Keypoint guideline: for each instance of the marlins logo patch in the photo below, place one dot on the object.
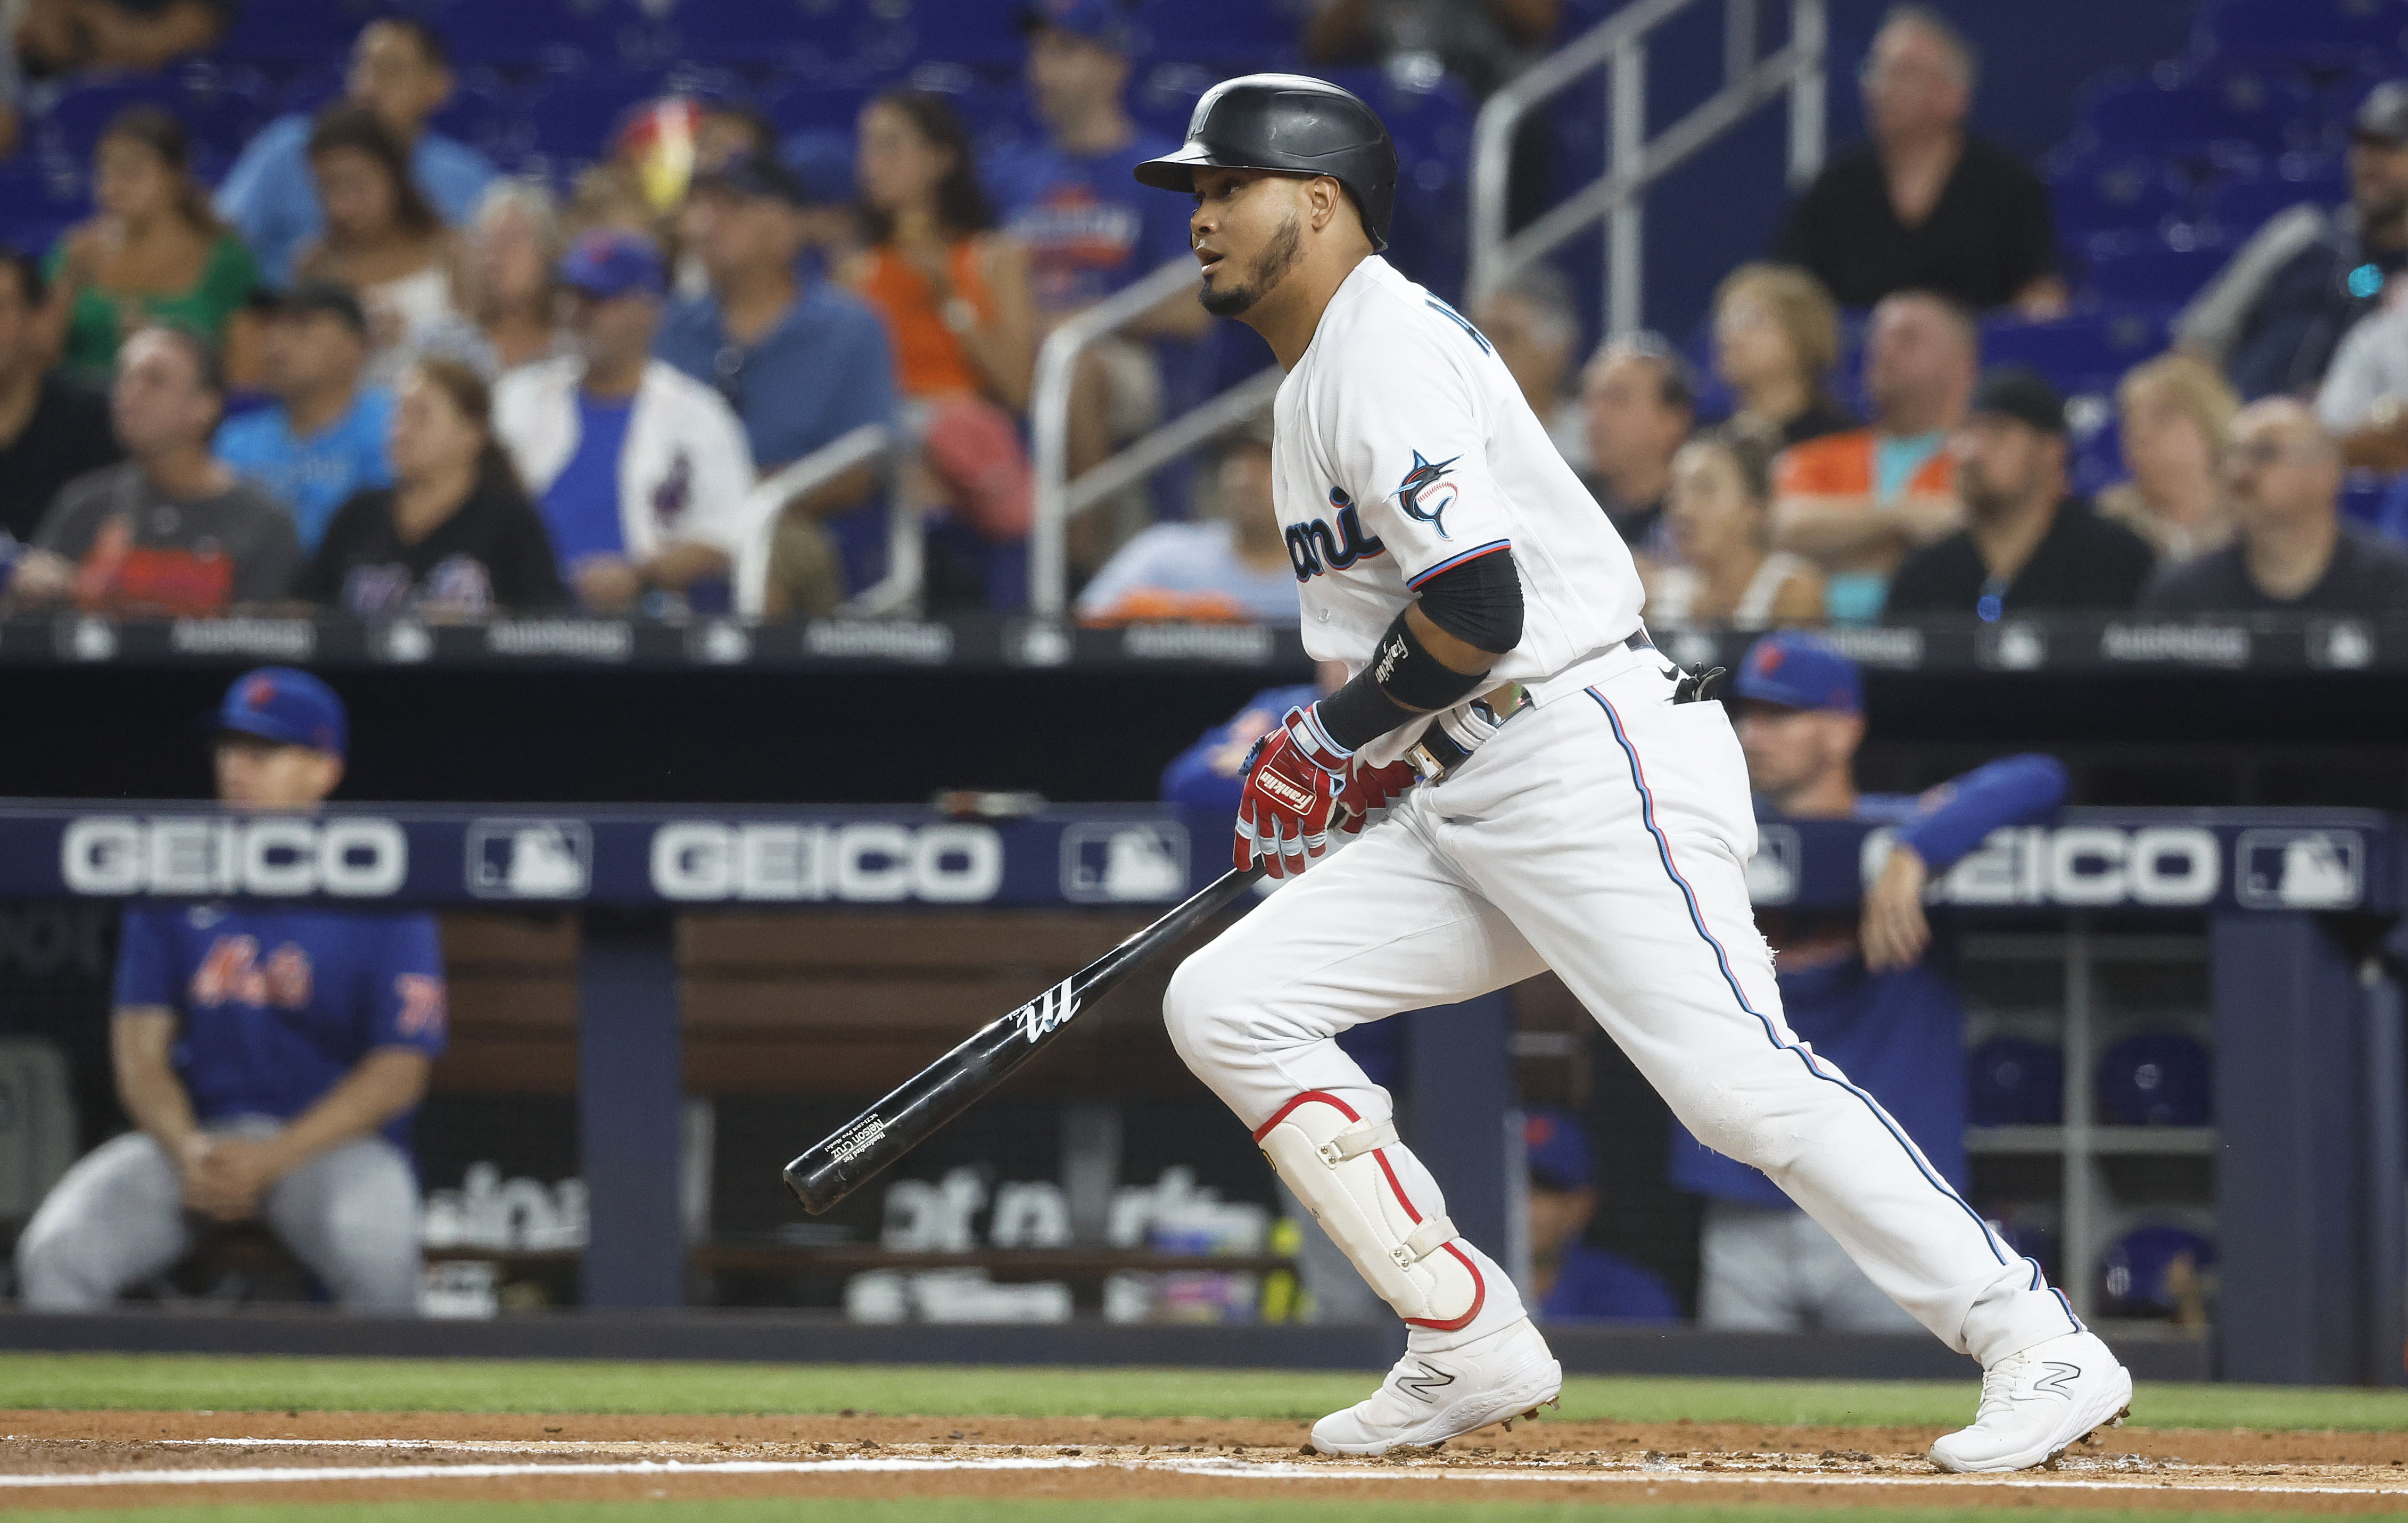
(1424, 494)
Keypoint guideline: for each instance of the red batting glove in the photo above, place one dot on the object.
(1371, 787)
(1292, 788)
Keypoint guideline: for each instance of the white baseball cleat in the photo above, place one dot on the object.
(2038, 1403)
(1430, 1398)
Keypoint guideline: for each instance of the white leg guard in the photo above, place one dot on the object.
(1338, 1163)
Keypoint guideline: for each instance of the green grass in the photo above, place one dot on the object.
(1200, 1510)
(192, 1382)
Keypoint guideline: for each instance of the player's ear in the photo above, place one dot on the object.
(1326, 197)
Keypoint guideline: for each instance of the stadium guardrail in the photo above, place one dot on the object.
(1636, 161)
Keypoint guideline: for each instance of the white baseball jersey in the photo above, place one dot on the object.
(1403, 448)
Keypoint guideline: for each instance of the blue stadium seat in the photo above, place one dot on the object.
(2240, 205)
(296, 31)
(572, 120)
(2086, 351)
(558, 34)
(2138, 116)
(1260, 34)
(2147, 269)
(816, 107)
(2365, 497)
(2391, 515)
(219, 112)
(2322, 33)
(2126, 193)
(966, 31)
(804, 34)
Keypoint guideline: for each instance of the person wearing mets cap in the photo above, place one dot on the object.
(1534, 787)
(1868, 988)
(271, 1056)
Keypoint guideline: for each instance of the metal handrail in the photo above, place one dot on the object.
(1049, 422)
(1635, 162)
(899, 589)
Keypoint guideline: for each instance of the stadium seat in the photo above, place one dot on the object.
(558, 34)
(2140, 116)
(2321, 34)
(2148, 269)
(2127, 193)
(816, 107)
(2239, 206)
(571, 121)
(800, 34)
(2087, 351)
(1261, 34)
(296, 31)
(218, 110)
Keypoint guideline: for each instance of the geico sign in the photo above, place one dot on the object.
(118, 854)
(2079, 865)
(865, 863)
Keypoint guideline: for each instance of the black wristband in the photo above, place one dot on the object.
(1408, 673)
(1360, 713)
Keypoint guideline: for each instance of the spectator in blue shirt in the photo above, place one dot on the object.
(803, 364)
(1869, 992)
(270, 1056)
(400, 70)
(1231, 564)
(1573, 1280)
(1089, 228)
(324, 439)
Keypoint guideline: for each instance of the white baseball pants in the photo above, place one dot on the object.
(1604, 834)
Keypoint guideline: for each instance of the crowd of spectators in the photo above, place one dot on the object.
(454, 391)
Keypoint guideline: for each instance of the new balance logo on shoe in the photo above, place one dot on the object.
(2059, 1379)
(1424, 1383)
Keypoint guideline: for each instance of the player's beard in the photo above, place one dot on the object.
(1270, 268)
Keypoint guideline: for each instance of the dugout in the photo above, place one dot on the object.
(612, 968)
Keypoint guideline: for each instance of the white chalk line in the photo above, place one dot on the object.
(1212, 1469)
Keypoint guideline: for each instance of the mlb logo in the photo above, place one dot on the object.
(1773, 872)
(1124, 863)
(530, 859)
(2299, 869)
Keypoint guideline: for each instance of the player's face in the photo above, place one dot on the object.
(1248, 231)
(1556, 1218)
(254, 774)
(1792, 748)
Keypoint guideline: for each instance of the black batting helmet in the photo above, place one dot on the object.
(1293, 123)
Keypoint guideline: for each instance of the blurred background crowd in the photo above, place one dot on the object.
(439, 310)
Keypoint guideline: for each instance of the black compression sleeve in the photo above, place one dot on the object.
(1479, 602)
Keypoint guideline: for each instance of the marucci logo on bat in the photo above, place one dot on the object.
(1050, 1010)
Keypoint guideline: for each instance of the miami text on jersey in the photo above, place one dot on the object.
(1316, 547)
(1424, 495)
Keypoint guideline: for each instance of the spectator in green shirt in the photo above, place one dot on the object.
(154, 252)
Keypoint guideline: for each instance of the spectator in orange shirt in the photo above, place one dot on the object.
(955, 298)
(1858, 503)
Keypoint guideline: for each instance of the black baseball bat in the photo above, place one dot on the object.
(856, 1151)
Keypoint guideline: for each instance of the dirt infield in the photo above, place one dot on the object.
(133, 1459)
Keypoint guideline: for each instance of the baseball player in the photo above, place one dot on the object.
(271, 1058)
(1582, 807)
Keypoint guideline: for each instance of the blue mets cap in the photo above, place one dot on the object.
(1797, 670)
(287, 706)
(612, 261)
(1556, 1150)
(1104, 23)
